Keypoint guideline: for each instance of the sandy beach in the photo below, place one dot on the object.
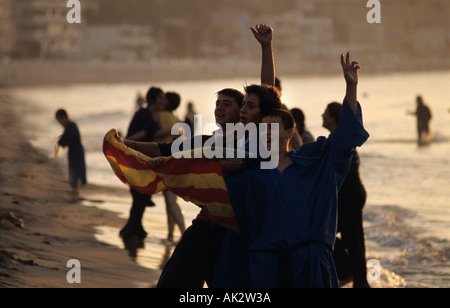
(40, 230)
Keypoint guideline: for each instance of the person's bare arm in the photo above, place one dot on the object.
(138, 136)
(150, 149)
(143, 134)
(351, 78)
(264, 35)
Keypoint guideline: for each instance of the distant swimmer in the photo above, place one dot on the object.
(424, 116)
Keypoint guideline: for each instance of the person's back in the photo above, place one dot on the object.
(299, 118)
(167, 119)
(190, 116)
(142, 122)
(139, 121)
(71, 138)
(423, 115)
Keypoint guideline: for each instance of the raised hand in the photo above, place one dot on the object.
(350, 69)
(263, 34)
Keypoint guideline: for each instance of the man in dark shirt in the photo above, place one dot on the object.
(349, 253)
(143, 127)
(71, 138)
(424, 116)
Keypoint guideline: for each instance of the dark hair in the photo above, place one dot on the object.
(419, 100)
(152, 94)
(236, 94)
(334, 109)
(285, 116)
(269, 97)
(61, 113)
(299, 118)
(173, 101)
(278, 84)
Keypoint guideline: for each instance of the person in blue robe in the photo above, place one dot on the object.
(287, 215)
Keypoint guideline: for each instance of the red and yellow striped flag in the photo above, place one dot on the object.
(199, 180)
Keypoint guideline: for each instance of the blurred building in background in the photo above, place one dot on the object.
(7, 29)
(308, 33)
(42, 31)
(118, 43)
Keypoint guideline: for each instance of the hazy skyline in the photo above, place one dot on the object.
(308, 34)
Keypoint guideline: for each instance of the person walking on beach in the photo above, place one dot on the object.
(167, 121)
(349, 254)
(424, 116)
(71, 138)
(143, 127)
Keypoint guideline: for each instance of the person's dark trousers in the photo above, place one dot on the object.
(350, 225)
(134, 225)
(193, 260)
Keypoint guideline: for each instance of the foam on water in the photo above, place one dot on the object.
(395, 242)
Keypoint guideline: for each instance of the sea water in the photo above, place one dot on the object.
(407, 214)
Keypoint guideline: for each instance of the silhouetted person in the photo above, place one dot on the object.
(167, 121)
(349, 253)
(71, 138)
(423, 115)
(299, 118)
(143, 127)
(189, 119)
(140, 101)
(280, 88)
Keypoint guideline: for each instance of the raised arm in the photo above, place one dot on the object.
(351, 78)
(264, 35)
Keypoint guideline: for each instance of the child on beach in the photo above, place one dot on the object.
(71, 138)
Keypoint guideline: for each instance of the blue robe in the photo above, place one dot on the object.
(288, 219)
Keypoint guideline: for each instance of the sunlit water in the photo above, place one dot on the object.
(407, 215)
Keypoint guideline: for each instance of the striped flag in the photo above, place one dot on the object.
(198, 180)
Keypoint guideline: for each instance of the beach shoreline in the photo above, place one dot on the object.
(29, 73)
(34, 190)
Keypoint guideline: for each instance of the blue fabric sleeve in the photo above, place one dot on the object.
(348, 135)
(350, 132)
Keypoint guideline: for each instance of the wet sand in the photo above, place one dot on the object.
(48, 229)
